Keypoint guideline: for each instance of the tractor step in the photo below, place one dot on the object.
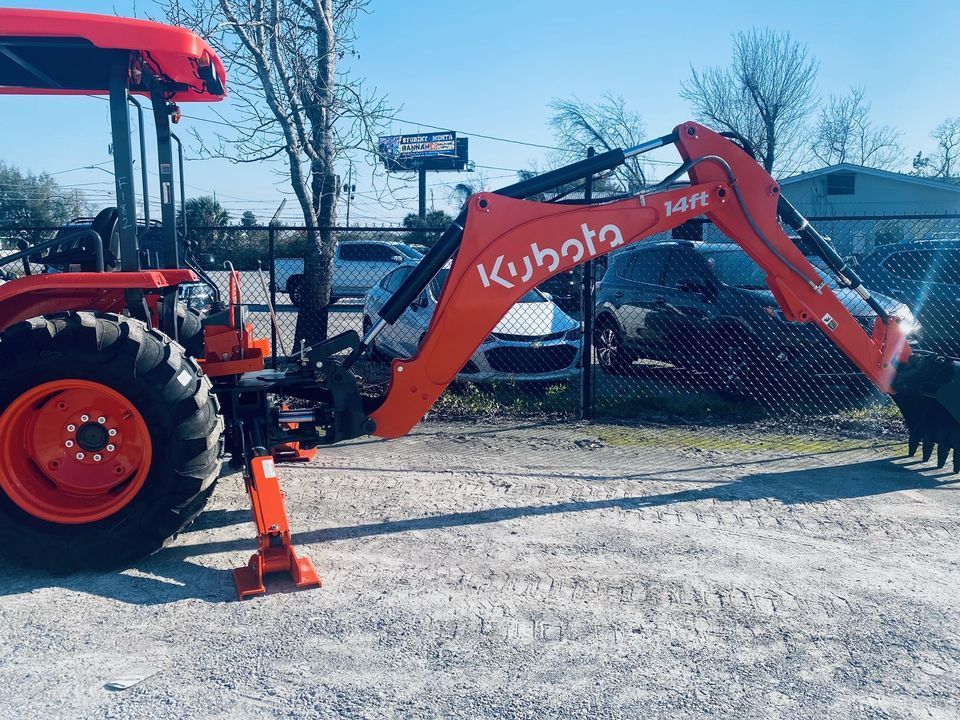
(276, 553)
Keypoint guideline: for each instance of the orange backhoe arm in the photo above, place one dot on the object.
(510, 246)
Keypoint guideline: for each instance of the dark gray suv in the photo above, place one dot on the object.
(706, 306)
(924, 274)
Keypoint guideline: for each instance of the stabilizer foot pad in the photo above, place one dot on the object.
(249, 579)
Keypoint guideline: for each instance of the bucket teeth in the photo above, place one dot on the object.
(927, 390)
(914, 442)
(943, 451)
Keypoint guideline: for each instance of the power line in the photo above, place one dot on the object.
(481, 135)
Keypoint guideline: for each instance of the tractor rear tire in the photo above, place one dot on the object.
(110, 441)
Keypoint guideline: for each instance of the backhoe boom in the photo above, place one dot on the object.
(502, 247)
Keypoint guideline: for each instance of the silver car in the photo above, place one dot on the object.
(535, 341)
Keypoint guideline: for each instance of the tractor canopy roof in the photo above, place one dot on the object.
(46, 52)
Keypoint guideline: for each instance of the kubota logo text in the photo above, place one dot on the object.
(574, 248)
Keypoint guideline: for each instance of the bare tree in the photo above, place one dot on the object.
(765, 94)
(945, 160)
(608, 125)
(291, 102)
(845, 133)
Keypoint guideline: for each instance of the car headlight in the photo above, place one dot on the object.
(575, 334)
(908, 322)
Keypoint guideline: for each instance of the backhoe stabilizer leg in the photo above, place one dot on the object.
(275, 553)
(927, 391)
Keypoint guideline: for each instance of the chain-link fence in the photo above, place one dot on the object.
(530, 363)
(686, 327)
(680, 327)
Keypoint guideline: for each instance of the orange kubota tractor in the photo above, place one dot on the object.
(116, 406)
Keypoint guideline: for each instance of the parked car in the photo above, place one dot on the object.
(707, 306)
(357, 266)
(924, 274)
(535, 340)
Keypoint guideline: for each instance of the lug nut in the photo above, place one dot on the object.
(111, 448)
(111, 432)
(68, 443)
(71, 427)
(84, 418)
(97, 458)
(80, 456)
(101, 420)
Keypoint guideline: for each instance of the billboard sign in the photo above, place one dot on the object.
(425, 151)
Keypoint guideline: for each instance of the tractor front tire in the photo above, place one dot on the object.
(110, 441)
(190, 330)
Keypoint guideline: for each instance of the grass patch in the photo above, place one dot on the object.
(464, 399)
(748, 440)
(677, 406)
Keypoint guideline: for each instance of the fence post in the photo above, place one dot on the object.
(586, 309)
(272, 258)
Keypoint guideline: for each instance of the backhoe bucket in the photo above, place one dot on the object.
(927, 390)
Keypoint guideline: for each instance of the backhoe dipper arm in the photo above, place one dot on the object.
(509, 246)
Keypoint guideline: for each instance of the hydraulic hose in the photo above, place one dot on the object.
(845, 274)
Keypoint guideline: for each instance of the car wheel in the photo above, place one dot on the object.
(612, 356)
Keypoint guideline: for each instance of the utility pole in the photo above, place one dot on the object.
(423, 193)
(349, 188)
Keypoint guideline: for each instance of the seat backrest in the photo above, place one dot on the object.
(105, 225)
(77, 247)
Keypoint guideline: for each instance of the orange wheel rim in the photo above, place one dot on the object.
(73, 451)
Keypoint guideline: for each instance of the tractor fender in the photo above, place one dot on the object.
(35, 295)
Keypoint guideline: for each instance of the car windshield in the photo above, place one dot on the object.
(436, 285)
(736, 268)
(409, 252)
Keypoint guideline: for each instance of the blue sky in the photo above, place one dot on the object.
(493, 68)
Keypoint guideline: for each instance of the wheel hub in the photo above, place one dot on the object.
(73, 451)
(92, 437)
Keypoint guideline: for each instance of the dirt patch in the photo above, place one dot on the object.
(567, 570)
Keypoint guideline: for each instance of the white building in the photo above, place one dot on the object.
(848, 189)
(878, 206)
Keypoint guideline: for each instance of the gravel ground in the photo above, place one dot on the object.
(569, 571)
